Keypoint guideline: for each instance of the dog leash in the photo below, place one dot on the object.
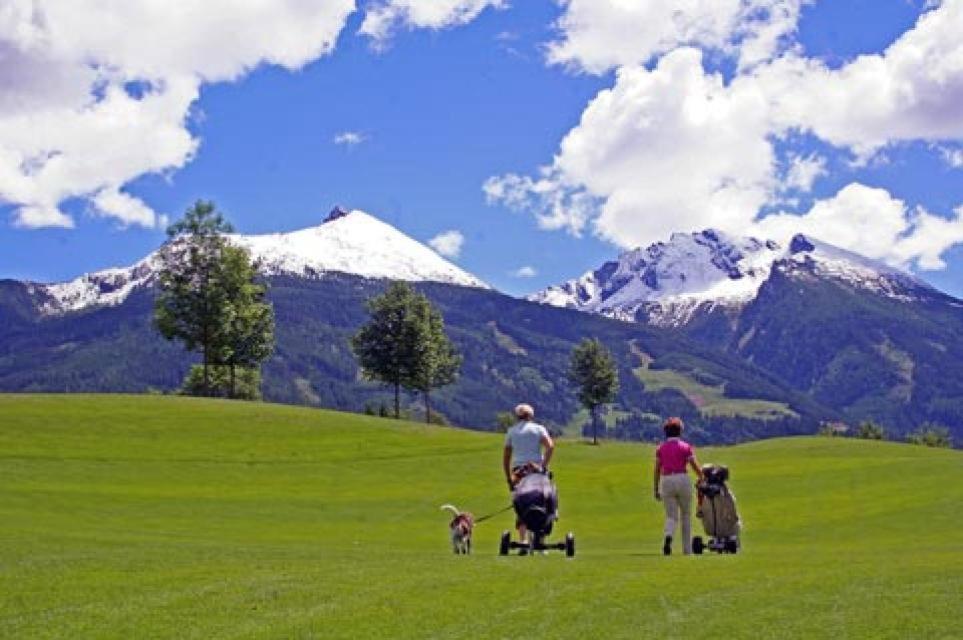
(492, 515)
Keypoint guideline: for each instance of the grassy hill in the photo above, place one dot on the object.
(124, 517)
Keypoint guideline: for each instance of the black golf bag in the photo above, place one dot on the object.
(535, 499)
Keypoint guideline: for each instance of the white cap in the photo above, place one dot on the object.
(524, 412)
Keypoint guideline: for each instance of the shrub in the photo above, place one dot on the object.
(869, 430)
(504, 420)
(832, 429)
(931, 435)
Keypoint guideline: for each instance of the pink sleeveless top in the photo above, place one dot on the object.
(673, 455)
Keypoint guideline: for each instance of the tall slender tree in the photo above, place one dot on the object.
(436, 361)
(250, 318)
(592, 370)
(385, 346)
(191, 300)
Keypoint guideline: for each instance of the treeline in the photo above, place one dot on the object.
(702, 429)
(928, 434)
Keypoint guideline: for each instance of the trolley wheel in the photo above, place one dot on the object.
(505, 543)
(732, 545)
(570, 545)
(698, 546)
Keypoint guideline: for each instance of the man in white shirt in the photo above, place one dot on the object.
(524, 444)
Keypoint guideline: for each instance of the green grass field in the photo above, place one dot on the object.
(147, 517)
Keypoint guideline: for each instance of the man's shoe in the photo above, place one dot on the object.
(667, 547)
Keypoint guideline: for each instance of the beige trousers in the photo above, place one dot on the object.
(676, 493)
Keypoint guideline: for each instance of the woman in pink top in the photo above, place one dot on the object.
(671, 483)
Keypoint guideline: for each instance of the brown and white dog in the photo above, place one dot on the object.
(461, 526)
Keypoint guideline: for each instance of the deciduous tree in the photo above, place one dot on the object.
(592, 370)
(436, 362)
(250, 317)
(385, 346)
(192, 300)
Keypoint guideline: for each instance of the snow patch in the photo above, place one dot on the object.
(668, 284)
(352, 242)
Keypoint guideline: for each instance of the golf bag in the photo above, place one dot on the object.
(717, 507)
(535, 499)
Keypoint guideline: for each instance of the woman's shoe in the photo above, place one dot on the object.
(667, 547)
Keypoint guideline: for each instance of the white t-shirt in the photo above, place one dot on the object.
(525, 439)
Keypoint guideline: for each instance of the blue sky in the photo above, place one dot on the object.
(441, 108)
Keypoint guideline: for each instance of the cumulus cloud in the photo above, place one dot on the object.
(662, 151)
(126, 208)
(96, 94)
(599, 35)
(448, 243)
(555, 205)
(384, 17)
(37, 216)
(803, 171)
(349, 138)
(671, 147)
(953, 157)
(871, 222)
(525, 272)
(911, 91)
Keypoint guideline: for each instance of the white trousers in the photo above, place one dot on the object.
(676, 493)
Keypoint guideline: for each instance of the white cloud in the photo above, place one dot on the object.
(871, 222)
(525, 272)
(555, 206)
(672, 148)
(49, 155)
(36, 216)
(599, 35)
(448, 243)
(953, 157)
(663, 150)
(349, 138)
(96, 94)
(126, 208)
(384, 17)
(911, 91)
(803, 171)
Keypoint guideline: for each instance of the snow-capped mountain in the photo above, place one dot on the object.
(668, 283)
(351, 242)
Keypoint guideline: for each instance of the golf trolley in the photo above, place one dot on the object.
(535, 499)
(718, 513)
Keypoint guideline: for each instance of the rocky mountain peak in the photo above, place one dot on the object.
(336, 213)
(667, 283)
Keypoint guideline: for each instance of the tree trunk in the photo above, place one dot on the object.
(427, 407)
(595, 424)
(207, 375)
(233, 382)
(397, 401)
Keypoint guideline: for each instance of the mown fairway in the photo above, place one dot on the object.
(144, 517)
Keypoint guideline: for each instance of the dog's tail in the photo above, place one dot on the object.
(450, 507)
